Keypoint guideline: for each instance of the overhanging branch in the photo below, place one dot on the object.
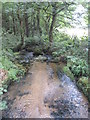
(66, 5)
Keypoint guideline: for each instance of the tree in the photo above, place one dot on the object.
(26, 21)
(30, 19)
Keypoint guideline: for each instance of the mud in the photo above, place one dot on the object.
(42, 94)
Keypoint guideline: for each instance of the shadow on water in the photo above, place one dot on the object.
(45, 93)
(67, 101)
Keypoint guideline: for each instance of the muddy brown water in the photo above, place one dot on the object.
(41, 94)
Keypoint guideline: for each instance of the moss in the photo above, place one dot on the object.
(67, 71)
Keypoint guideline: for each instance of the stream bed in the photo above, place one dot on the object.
(45, 93)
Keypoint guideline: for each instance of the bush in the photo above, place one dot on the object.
(7, 63)
(14, 74)
(79, 67)
(67, 71)
(84, 85)
(3, 105)
(12, 68)
(9, 41)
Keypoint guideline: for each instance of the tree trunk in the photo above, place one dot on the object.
(14, 29)
(26, 24)
(34, 25)
(21, 29)
(33, 28)
(51, 29)
(22, 34)
(19, 46)
(52, 23)
(38, 22)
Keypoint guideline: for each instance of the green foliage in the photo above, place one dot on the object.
(32, 40)
(36, 19)
(3, 105)
(13, 70)
(1, 66)
(84, 85)
(84, 81)
(55, 54)
(79, 67)
(2, 90)
(67, 71)
(65, 45)
(9, 41)
(7, 64)
(14, 74)
(38, 51)
(62, 44)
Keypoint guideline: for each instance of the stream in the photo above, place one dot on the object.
(45, 93)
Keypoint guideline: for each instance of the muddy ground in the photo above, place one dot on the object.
(41, 94)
